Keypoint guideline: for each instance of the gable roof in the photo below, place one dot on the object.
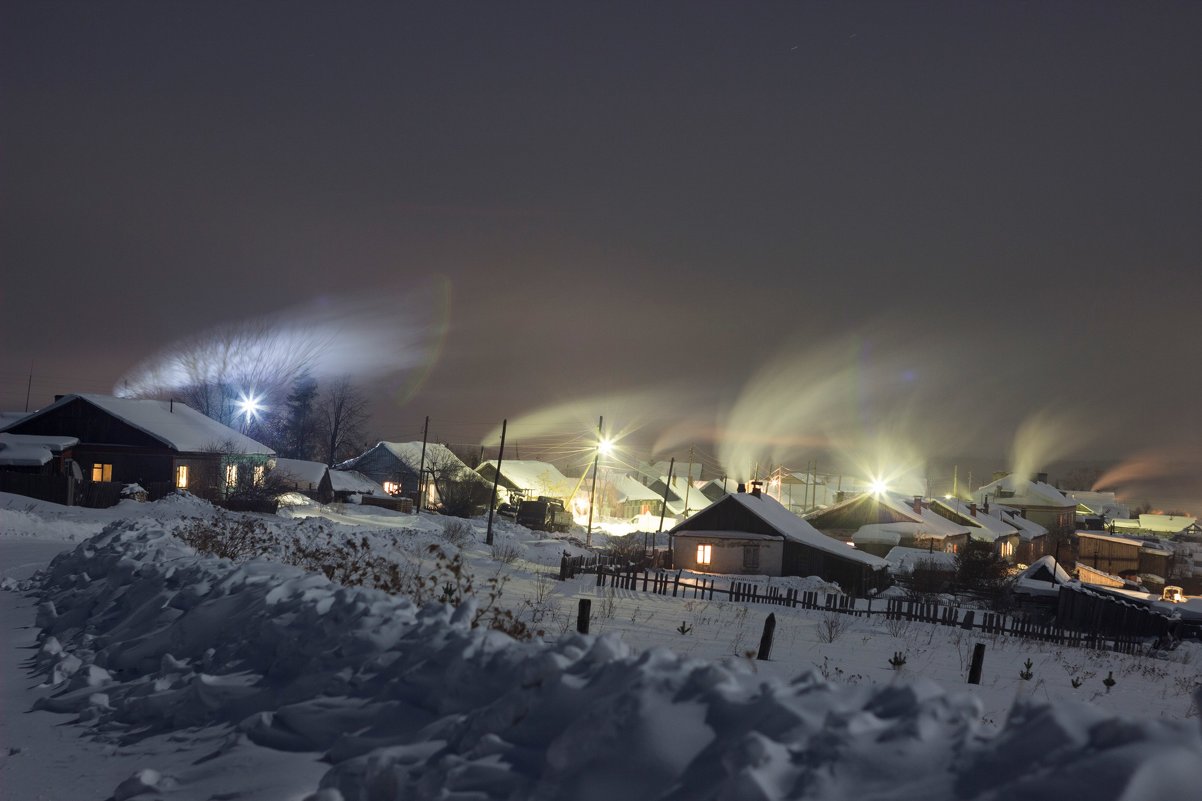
(1014, 491)
(792, 527)
(981, 525)
(536, 478)
(177, 425)
(32, 450)
(1027, 529)
(354, 481)
(300, 471)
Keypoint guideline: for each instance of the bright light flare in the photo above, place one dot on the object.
(250, 406)
(878, 486)
(606, 446)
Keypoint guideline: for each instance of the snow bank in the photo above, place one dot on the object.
(141, 635)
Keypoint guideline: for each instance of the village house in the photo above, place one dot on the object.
(1033, 538)
(1103, 557)
(322, 483)
(530, 479)
(878, 522)
(406, 468)
(683, 498)
(982, 526)
(1035, 498)
(752, 533)
(159, 445)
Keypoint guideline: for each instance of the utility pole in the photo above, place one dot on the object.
(671, 466)
(956, 481)
(492, 503)
(421, 469)
(592, 496)
(29, 385)
(688, 484)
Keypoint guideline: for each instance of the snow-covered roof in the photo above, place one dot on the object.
(1015, 491)
(177, 425)
(354, 481)
(300, 471)
(629, 489)
(1149, 546)
(32, 450)
(11, 418)
(725, 535)
(794, 528)
(684, 491)
(981, 525)
(1163, 524)
(932, 524)
(1101, 503)
(1027, 529)
(536, 478)
(905, 560)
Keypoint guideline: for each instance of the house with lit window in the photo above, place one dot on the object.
(160, 445)
(1035, 498)
(530, 478)
(753, 533)
(982, 525)
(320, 482)
(878, 522)
(408, 468)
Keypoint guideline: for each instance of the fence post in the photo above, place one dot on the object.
(563, 567)
(766, 637)
(600, 576)
(582, 615)
(978, 661)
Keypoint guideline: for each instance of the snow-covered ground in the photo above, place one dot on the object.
(156, 672)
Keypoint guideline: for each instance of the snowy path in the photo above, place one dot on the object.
(53, 761)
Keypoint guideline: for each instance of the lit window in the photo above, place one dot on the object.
(704, 554)
(751, 557)
(259, 471)
(181, 476)
(102, 472)
(231, 475)
(392, 488)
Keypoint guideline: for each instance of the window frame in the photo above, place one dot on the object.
(705, 554)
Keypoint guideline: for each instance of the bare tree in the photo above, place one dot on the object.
(342, 412)
(461, 491)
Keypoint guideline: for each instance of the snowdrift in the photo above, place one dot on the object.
(142, 636)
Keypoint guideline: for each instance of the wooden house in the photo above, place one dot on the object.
(1035, 498)
(398, 467)
(752, 533)
(157, 444)
(321, 482)
(1148, 560)
(878, 522)
(982, 526)
(527, 478)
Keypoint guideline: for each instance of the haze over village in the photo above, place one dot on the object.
(557, 401)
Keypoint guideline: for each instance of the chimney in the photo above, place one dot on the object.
(741, 488)
(972, 509)
(917, 504)
(1023, 512)
(839, 496)
(755, 488)
(986, 504)
(58, 398)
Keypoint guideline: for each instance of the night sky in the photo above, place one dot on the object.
(949, 217)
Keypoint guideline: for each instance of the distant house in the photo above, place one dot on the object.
(683, 498)
(396, 465)
(157, 444)
(1100, 504)
(530, 479)
(322, 483)
(878, 522)
(1148, 560)
(1033, 538)
(621, 496)
(752, 533)
(34, 453)
(1156, 525)
(1037, 499)
(717, 488)
(982, 526)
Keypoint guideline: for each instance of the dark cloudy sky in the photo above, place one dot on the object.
(623, 196)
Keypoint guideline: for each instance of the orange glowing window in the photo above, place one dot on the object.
(705, 554)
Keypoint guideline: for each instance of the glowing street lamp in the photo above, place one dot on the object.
(878, 487)
(250, 406)
(605, 446)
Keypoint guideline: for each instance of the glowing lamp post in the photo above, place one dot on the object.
(249, 407)
(606, 446)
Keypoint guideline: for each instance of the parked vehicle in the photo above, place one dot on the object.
(544, 514)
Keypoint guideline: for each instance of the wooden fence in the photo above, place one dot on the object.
(1121, 638)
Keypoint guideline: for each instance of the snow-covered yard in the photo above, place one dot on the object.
(161, 673)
